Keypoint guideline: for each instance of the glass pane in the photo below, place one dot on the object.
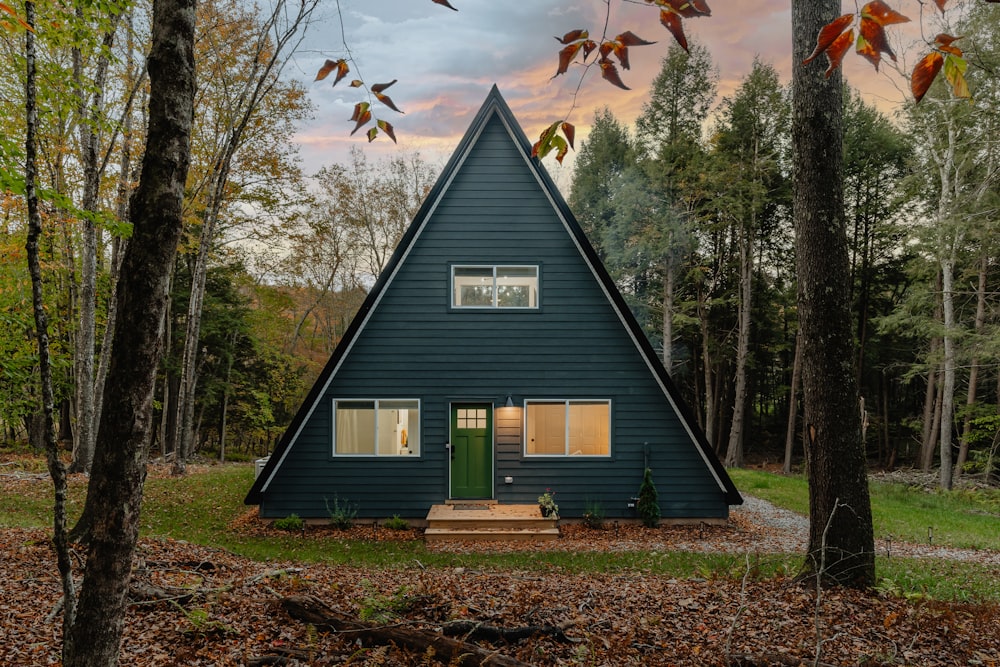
(473, 286)
(395, 426)
(546, 428)
(589, 428)
(355, 427)
(517, 286)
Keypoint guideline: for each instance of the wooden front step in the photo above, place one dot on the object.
(475, 521)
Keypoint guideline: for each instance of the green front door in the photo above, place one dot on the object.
(472, 450)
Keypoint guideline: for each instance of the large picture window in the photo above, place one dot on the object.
(376, 427)
(494, 287)
(568, 428)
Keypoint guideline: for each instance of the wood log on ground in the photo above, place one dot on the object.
(474, 630)
(450, 651)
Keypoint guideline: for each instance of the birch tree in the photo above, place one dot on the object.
(244, 79)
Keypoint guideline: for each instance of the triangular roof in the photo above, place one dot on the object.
(495, 105)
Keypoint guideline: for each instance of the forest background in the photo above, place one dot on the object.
(689, 206)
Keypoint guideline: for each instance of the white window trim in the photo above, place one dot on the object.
(566, 402)
(376, 401)
(494, 267)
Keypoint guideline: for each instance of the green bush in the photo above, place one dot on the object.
(290, 523)
(648, 505)
(342, 514)
(396, 523)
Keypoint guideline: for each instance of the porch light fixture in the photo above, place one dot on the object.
(509, 403)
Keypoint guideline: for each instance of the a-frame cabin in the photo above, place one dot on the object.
(493, 359)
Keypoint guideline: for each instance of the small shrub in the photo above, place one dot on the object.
(648, 505)
(290, 523)
(396, 523)
(593, 516)
(342, 514)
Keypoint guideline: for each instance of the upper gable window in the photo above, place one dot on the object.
(497, 286)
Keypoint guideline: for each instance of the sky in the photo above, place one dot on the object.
(446, 61)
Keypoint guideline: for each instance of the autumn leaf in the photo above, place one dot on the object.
(621, 43)
(924, 73)
(569, 131)
(672, 22)
(941, 3)
(386, 127)
(386, 100)
(882, 13)
(443, 2)
(572, 36)
(362, 114)
(954, 72)
(544, 145)
(688, 8)
(372, 133)
(610, 74)
(357, 83)
(872, 41)
(621, 52)
(835, 53)
(629, 38)
(566, 55)
(329, 66)
(10, 10)
(829, 34)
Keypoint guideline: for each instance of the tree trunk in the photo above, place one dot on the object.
(668, 316)
(706, 359)
(793, 412)
(841, 536)
(927, 438)
(970, 399)
(55, 465)
(734, 452)
(89, 117)
(114, 494)
(948, 386)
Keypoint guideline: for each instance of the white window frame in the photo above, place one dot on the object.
(413, 434)
(566, 437)
(534, 299)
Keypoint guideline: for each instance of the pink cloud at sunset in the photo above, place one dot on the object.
(446, 62)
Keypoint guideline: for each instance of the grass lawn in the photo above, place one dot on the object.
(201, 507)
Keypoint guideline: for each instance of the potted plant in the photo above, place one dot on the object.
(547, 504)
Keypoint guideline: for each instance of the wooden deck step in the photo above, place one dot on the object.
(475, 522)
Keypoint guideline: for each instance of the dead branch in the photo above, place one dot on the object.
(309, 609)
(473, 630)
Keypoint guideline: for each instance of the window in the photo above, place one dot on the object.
(376, 427)
(568, 428)
(494, 287)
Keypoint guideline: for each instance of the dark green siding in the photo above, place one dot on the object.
(574, 346)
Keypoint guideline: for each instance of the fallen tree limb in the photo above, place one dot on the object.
(450, 651)
(474, 630)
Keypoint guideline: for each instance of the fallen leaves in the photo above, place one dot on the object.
(614, 618)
